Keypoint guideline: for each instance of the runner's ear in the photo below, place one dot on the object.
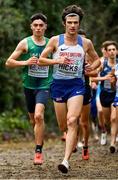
(63, 23)
(45, 26)
(31, 26)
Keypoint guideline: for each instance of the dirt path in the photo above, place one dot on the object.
(16, 162)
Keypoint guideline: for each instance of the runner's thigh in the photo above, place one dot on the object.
(74, 105)
(61, 115)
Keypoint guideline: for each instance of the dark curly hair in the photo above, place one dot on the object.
(72, 9)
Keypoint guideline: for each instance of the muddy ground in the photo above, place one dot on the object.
(16, 162)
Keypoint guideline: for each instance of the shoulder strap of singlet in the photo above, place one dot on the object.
(29, 42)
(29, 39)
(46, 39)
(80, 41)
(105, 63)
(61, 39)
(116, 60)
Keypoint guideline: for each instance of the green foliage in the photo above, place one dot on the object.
(13, 120)
(101, 21)
(11, 23)
(14, 124)
(10, 89)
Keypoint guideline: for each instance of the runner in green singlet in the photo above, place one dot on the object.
(36, 79)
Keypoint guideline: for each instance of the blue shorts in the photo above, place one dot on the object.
(87, 95)
(34, 97)
(115, 103)
(62, 90)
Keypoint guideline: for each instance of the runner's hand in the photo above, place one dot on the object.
(65, 60)
(32, 60)
(88, 68)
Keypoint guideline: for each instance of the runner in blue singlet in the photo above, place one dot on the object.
(67, 88)
(108, 91)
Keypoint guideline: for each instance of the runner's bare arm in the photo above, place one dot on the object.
(95, 60)
(92, 73)
(13, 61)
(50, 48)
(99, 78)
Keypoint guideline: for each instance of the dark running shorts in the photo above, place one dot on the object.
(34, 97)
(87, 95)
(107, 98)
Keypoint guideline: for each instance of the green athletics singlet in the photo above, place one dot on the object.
(34, 76)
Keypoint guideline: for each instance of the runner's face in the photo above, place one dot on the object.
(72, 24)
(111, 51)
(38, 27)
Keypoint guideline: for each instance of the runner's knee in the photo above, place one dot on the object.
(72, 121)
(113, 120)
(38, 118)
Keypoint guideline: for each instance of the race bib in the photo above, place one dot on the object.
(72, 70)
(38, 71)
(107, 84)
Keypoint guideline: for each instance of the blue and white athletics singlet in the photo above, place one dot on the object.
(106, 85)
(68, 78)
(74, 53)
(107, 93)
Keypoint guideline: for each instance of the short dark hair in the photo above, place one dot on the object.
(108, 43)
(72, 9)
(82, 32)
(39, 16)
